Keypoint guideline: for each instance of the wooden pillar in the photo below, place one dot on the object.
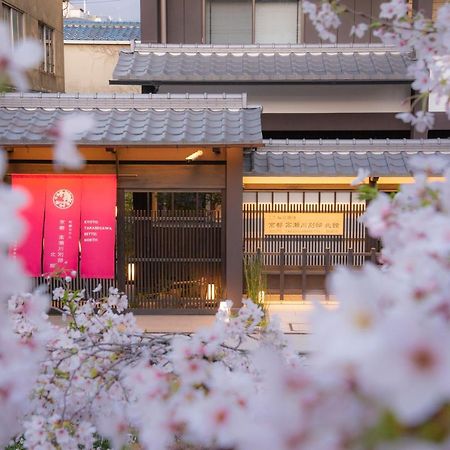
(423, 6)
(120, 260)
(426, 8)
(150, 21)
(233, 226)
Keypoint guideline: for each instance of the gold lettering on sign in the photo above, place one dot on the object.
(300, 224)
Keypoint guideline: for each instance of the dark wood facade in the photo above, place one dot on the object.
(202, 247)
(183, 21)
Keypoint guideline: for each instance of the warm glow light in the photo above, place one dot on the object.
(261, 296)
(211, 292)
(130, 272)
(251, 180)
(194, 156)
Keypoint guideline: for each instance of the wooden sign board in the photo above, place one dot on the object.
(301, 224)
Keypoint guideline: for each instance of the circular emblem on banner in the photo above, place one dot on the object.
(63, 199)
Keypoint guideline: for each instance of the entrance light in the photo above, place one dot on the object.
(194, 156)
(130, 272)
(261, 297)
(211, 292)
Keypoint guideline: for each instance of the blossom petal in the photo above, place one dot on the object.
(28, 54)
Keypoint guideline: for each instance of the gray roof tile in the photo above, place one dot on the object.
(159, 64)
(88, 30)
(340, 158)
(136, 120)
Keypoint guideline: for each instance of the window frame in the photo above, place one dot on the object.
(8, 13)
(299, 24)
(48, 63)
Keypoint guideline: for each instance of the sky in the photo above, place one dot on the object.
(116, 9)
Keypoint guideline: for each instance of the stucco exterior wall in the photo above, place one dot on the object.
(89, 67)
(386, 98)
(48, 12)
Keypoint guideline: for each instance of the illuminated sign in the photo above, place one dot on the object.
(303, 224)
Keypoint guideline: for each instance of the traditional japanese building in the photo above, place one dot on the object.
(243, 142)
(327, 110)
(177, 162)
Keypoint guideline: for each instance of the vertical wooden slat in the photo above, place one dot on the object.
(327, 271)
(304, 265)
(350, 257)
(120, 265)
(282, 269)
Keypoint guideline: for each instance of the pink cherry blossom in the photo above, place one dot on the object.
(393, 9)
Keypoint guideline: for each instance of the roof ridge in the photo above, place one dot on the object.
(354, 142)
(354, 146)
(101, 24)
(124, 101)
(261, 48)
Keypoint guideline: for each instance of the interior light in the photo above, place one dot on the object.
(130, 272)
(211, 292)
(261, 297)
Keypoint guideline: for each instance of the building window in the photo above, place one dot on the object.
(14, 19)
(229, 21)
(277, 22)
(46, 34)
(253, 21)
(295, 198)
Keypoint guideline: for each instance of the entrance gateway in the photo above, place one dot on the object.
(174, 250)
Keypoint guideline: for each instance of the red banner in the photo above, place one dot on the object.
(30, 249)
(62, 224)
(98, 225)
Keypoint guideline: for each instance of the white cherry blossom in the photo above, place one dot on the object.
(361, 176)
(17, 58)
(66, 131)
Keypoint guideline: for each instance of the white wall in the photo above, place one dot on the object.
(89, 67)
(436, 104)
(313, 98)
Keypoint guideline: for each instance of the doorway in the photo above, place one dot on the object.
(174, 250)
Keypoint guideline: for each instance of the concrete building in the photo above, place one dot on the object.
(41, 20)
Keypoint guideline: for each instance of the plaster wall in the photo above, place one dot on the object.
(286, 99)
(89, 67)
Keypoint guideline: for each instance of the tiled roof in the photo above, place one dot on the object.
(133, 119)
(163, 64)
(340, 158)
(88, 30)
